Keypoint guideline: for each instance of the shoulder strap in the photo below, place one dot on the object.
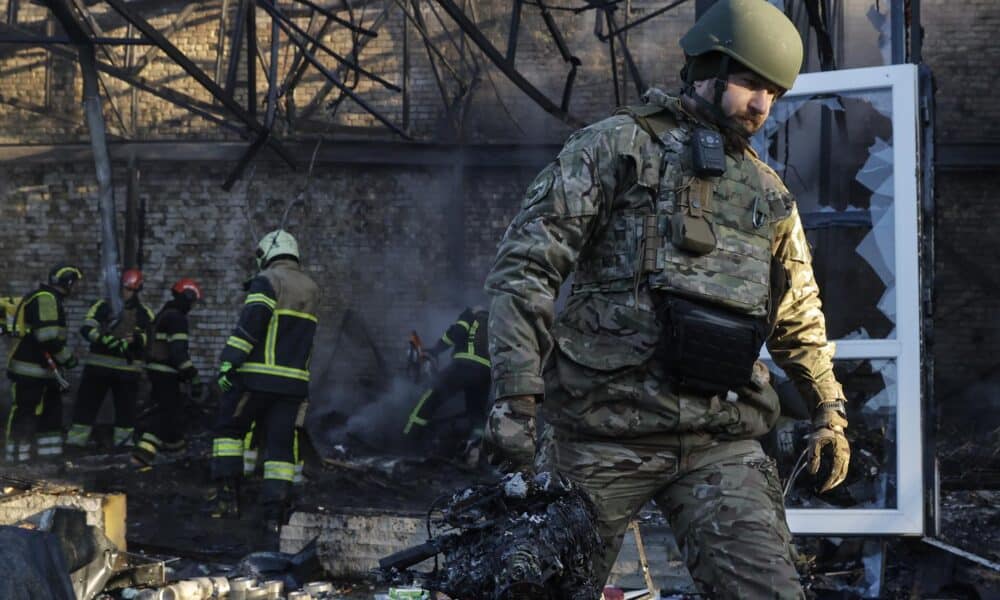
(654, 120)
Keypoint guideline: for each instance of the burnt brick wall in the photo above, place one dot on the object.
(960, 46)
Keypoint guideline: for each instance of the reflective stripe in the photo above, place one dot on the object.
(249, 461)
(30, 369)
(151, 438)
(262, 299)
(227, 447)
(122, 435)
(279, 470)
(294, 313)
(240, 344)
(78, 434)
(92, 323)
(178, 337)
(49, 444)
(262, 369)
(112, 362)
(185, 365)
(50, 332)
(160, 367)
(463, 324)
(147, 447)
(446, 339)
(271, 341)
(415, 418)
(162, 337)
(299, 477)
(49, 439)
(472, 357)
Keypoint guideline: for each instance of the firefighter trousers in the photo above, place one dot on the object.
(238, 408)
(35, 416)
(466, 376)
(163, 427)
(95, 384)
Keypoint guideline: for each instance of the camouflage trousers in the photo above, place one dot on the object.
(722, 500)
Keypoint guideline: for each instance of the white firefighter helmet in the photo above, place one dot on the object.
(274, 244)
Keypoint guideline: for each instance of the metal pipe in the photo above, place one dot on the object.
(105, 192)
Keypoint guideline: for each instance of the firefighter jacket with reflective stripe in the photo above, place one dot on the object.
(132, 327)
(168, 348)
(467, 337)
(272, 343)
(41, 325)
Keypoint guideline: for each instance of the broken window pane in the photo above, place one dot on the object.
(859, 32)
(835, 154)
(870, 386)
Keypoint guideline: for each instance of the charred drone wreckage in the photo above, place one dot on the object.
(527, 536)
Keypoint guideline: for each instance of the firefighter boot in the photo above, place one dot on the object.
(224, 503)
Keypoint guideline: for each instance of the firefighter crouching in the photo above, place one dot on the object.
(264, 376)
(168, 365)
(468, 372)
(115, 363)
(35, 416)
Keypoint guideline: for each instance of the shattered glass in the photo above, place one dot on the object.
(871, 389)
(835, 153)
(860, 32)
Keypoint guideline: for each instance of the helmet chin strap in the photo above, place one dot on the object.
(713, 108)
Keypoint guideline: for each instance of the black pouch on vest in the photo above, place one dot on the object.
(708, 348)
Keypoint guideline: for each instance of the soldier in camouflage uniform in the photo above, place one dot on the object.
(683, 267)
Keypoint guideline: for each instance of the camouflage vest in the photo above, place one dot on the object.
(738, 208)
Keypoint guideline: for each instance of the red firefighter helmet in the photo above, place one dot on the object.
(187, 287)
(132, 279)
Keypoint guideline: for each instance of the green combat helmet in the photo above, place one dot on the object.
(274, 244)
(751, 32)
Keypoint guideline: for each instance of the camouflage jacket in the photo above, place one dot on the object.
(604, 174)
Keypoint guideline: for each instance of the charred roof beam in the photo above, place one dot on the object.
(200, 76)
(271, 9)
(508, 69)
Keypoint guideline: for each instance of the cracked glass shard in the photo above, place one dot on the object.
(835, 154)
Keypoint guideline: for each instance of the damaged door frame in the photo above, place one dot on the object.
(905, 348)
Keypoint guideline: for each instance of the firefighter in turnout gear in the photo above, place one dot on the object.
(115, 362)
(33, 367)
(264, 376)
(468, 372)
(169, 366)
(687, 254)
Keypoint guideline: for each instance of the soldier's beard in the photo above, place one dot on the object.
(747, 123)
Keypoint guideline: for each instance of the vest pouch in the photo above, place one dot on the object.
(708, 348)
(692, 234)
(598, 339)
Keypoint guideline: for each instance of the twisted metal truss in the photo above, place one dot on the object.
(457, 58)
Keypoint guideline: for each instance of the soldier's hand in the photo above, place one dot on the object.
(829, 423)
(510, 432)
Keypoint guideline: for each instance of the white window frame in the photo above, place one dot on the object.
(908, 517)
